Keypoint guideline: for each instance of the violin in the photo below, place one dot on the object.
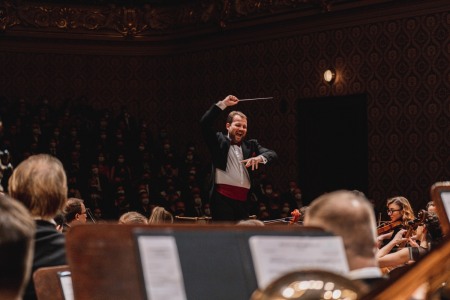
(412, 226)
(295, 216)
(388, 227)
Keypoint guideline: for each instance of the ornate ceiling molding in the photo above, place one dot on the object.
(151, 18)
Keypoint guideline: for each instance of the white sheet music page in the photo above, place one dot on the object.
(66, 285)
(445, 196)
(161, 267)
(274, 256)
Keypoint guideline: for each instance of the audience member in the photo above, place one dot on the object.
(17, 229)
(40, 183)
(349, 215)
(6, 168)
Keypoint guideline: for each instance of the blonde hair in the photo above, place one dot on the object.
(40, 183)
(160, 215)
(132, 217)
(250, 222)
(346, 214)
(405, 206)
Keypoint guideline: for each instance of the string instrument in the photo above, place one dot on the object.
(412, 226)
(295, 216)
(389, 227)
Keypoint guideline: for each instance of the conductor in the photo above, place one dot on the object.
(233, 160)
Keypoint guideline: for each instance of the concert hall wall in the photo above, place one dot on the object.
(400, 61)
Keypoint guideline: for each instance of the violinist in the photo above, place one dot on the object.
(400, 211)
(431, 238)
(431, 208)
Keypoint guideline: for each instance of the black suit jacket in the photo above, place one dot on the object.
(219, 145)
(49, 251)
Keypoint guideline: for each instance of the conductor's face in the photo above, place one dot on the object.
(237, 129)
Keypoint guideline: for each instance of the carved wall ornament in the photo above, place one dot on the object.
(149, 18)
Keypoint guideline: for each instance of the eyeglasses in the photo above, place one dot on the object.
(391, 211)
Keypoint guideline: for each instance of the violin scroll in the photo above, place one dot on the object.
(295, 216)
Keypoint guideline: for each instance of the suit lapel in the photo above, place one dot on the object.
(245, 150)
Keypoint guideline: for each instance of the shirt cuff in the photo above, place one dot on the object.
(221, 105)
(264, 159)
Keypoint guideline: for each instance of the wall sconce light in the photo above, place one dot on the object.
(329, 76)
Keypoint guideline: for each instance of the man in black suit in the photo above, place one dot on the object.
(40, 183)
(234, 159)
(350, 215)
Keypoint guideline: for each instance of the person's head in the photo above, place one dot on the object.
(431, 208)
(144, 198)
(40, 183)
(350, 216)
(75, 211)
(250, 222)
(297, 194)
(399, 209)
(160, 215)
(132, 217)
(98, 213)
(434, 229)
(17, 229)
(236, 126)
(180, 208)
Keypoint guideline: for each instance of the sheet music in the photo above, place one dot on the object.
(274, 256)
(163, 276)
(66, 285)
(445, 196)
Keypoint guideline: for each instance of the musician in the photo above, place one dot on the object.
(350, 215)
(431, 208)
(40, 183)
(234, 159)
(400, 211)
(75, 213)
(432, 237)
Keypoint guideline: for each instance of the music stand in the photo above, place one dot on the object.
(215, 261)
(440, 194)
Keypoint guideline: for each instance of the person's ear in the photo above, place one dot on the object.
(228, 125)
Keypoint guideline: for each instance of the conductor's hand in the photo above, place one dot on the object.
(230, 100)
(253, 162)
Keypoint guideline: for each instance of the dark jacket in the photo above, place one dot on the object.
(219, 144)
(49, 250)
